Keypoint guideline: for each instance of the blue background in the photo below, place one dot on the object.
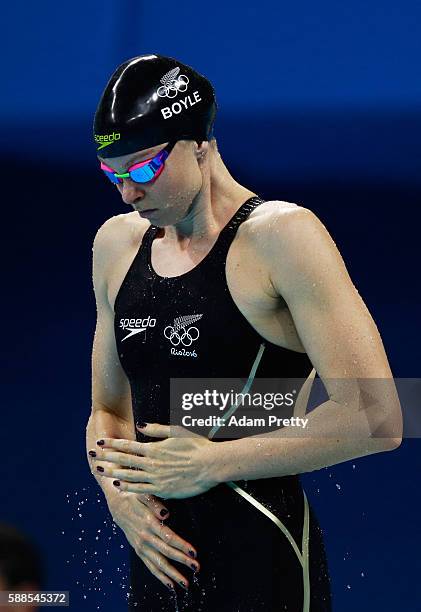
(319, 104)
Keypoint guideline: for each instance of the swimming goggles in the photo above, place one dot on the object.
(144, 171)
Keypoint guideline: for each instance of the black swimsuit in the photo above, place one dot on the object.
(258, 542)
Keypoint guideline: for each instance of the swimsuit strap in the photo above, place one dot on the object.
(228, 232)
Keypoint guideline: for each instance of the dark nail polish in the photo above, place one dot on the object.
(142, 424)
(194, 567)
(191, 553)
(100, 442)
(99, 468)
(183, 584)
(170, 586)
(92, 453)
(163, 512)
(116, 483)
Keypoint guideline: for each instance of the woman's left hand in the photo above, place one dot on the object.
(176, 467)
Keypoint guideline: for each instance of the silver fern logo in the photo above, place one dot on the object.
(172, 83)
(182, 331)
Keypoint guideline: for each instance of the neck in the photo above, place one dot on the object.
(211, 209)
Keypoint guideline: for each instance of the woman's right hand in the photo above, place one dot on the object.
(139, 516)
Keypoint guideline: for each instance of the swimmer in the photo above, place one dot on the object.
(205, 279)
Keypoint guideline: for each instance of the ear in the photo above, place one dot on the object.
(201, 149)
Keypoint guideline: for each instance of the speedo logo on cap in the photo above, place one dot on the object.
(106, 139)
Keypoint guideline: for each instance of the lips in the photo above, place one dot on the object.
(147, 212)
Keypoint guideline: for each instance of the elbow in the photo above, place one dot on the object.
(393, 443)
(393, 431)
(380, 445)
(386, 431)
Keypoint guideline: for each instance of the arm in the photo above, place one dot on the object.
(111, 412)
(139, 516)
(362, 415)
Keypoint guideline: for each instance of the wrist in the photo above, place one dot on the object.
(218, 465)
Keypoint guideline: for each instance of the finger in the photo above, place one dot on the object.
(129, 476)
(172, 539)
(126, 446)
(160, 565)
(156, 571)
(124, 459)
(150, 508)
(153, 503)
(154, 430)
(138, 487)
(171, 553)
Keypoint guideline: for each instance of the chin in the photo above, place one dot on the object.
(166, 218)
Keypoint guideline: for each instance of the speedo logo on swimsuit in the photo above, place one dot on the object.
(182, 334)
(135, 326)
(106, 139)
(172, 83)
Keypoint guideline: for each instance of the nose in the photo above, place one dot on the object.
(131, 192)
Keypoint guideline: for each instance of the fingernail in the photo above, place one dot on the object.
(170, 586)
(194, 567)
(116, 483)
(163, 512)
(142, 424)
(92, 453)
(100, 442)
(99, 468)
(191, 553)
(183, 584)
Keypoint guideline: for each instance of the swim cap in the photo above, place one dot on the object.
(149, 100)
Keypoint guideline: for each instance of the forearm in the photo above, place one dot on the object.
(104, 424)
(334, 434)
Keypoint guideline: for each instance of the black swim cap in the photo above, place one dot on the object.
(150, 100)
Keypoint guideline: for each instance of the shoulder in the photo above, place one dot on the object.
(275, 220)
(291, 239)
(271, 210)
(300, 255)
(116, 237)
(293, 231)
(125, 227)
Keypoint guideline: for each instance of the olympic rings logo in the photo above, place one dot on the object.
(172, 83)
(183, 335)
